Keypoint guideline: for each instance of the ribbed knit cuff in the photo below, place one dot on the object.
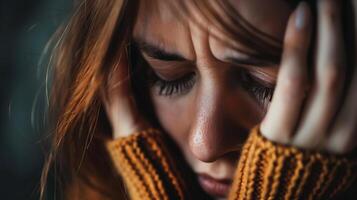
(143, 162)
(268, 170)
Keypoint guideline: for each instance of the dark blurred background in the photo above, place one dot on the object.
(25, 28)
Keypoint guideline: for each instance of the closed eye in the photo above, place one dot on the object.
(178, 86)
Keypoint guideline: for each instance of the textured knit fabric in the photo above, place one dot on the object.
(143, 162)
(266, 170)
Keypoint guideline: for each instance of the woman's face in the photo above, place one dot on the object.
(207, 96)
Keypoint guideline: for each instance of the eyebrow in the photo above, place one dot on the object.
(157, 52)
(161, 54)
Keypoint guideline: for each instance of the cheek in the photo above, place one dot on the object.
(175, 117)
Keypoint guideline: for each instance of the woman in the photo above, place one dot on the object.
(161, 100)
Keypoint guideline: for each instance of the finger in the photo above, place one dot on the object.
(329, 77)
(344, 137)
(287, 101)
(344, 132)
(119, 102)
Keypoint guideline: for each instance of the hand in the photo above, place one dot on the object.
(314, 115)
(119, 102)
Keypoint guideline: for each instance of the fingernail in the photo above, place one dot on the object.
(301, 16)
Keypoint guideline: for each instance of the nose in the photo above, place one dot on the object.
(223, 118)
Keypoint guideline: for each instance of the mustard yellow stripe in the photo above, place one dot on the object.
(322, 177)
(124, 164)
(331, 175)
(267, 173)
(295, 176)
(237, 184)
(151, 177)
(142, 179)
(305, 175)
(276, 174)
(345, 178)
(166, 166)
(246, 171)
(253, 172)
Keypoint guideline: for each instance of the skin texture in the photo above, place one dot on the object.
(211, 120)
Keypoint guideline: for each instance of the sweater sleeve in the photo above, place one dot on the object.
(147, 171)
(268, 170)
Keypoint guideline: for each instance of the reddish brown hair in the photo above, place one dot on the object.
(84, 55)
(94, 39)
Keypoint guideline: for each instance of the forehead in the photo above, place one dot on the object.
(161, 24)
(269, 17)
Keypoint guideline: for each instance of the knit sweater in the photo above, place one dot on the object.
(266, 170)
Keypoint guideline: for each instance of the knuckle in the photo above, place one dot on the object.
(332, 17)
(292, 47)
(331, 10)
(332, 78)
(295, 82)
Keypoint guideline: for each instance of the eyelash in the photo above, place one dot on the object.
(174, 87)
(263, 94)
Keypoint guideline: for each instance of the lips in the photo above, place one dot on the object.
(214, 187)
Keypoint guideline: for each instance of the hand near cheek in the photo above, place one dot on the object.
(138, 151)
(314, 115)
(120, 105)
